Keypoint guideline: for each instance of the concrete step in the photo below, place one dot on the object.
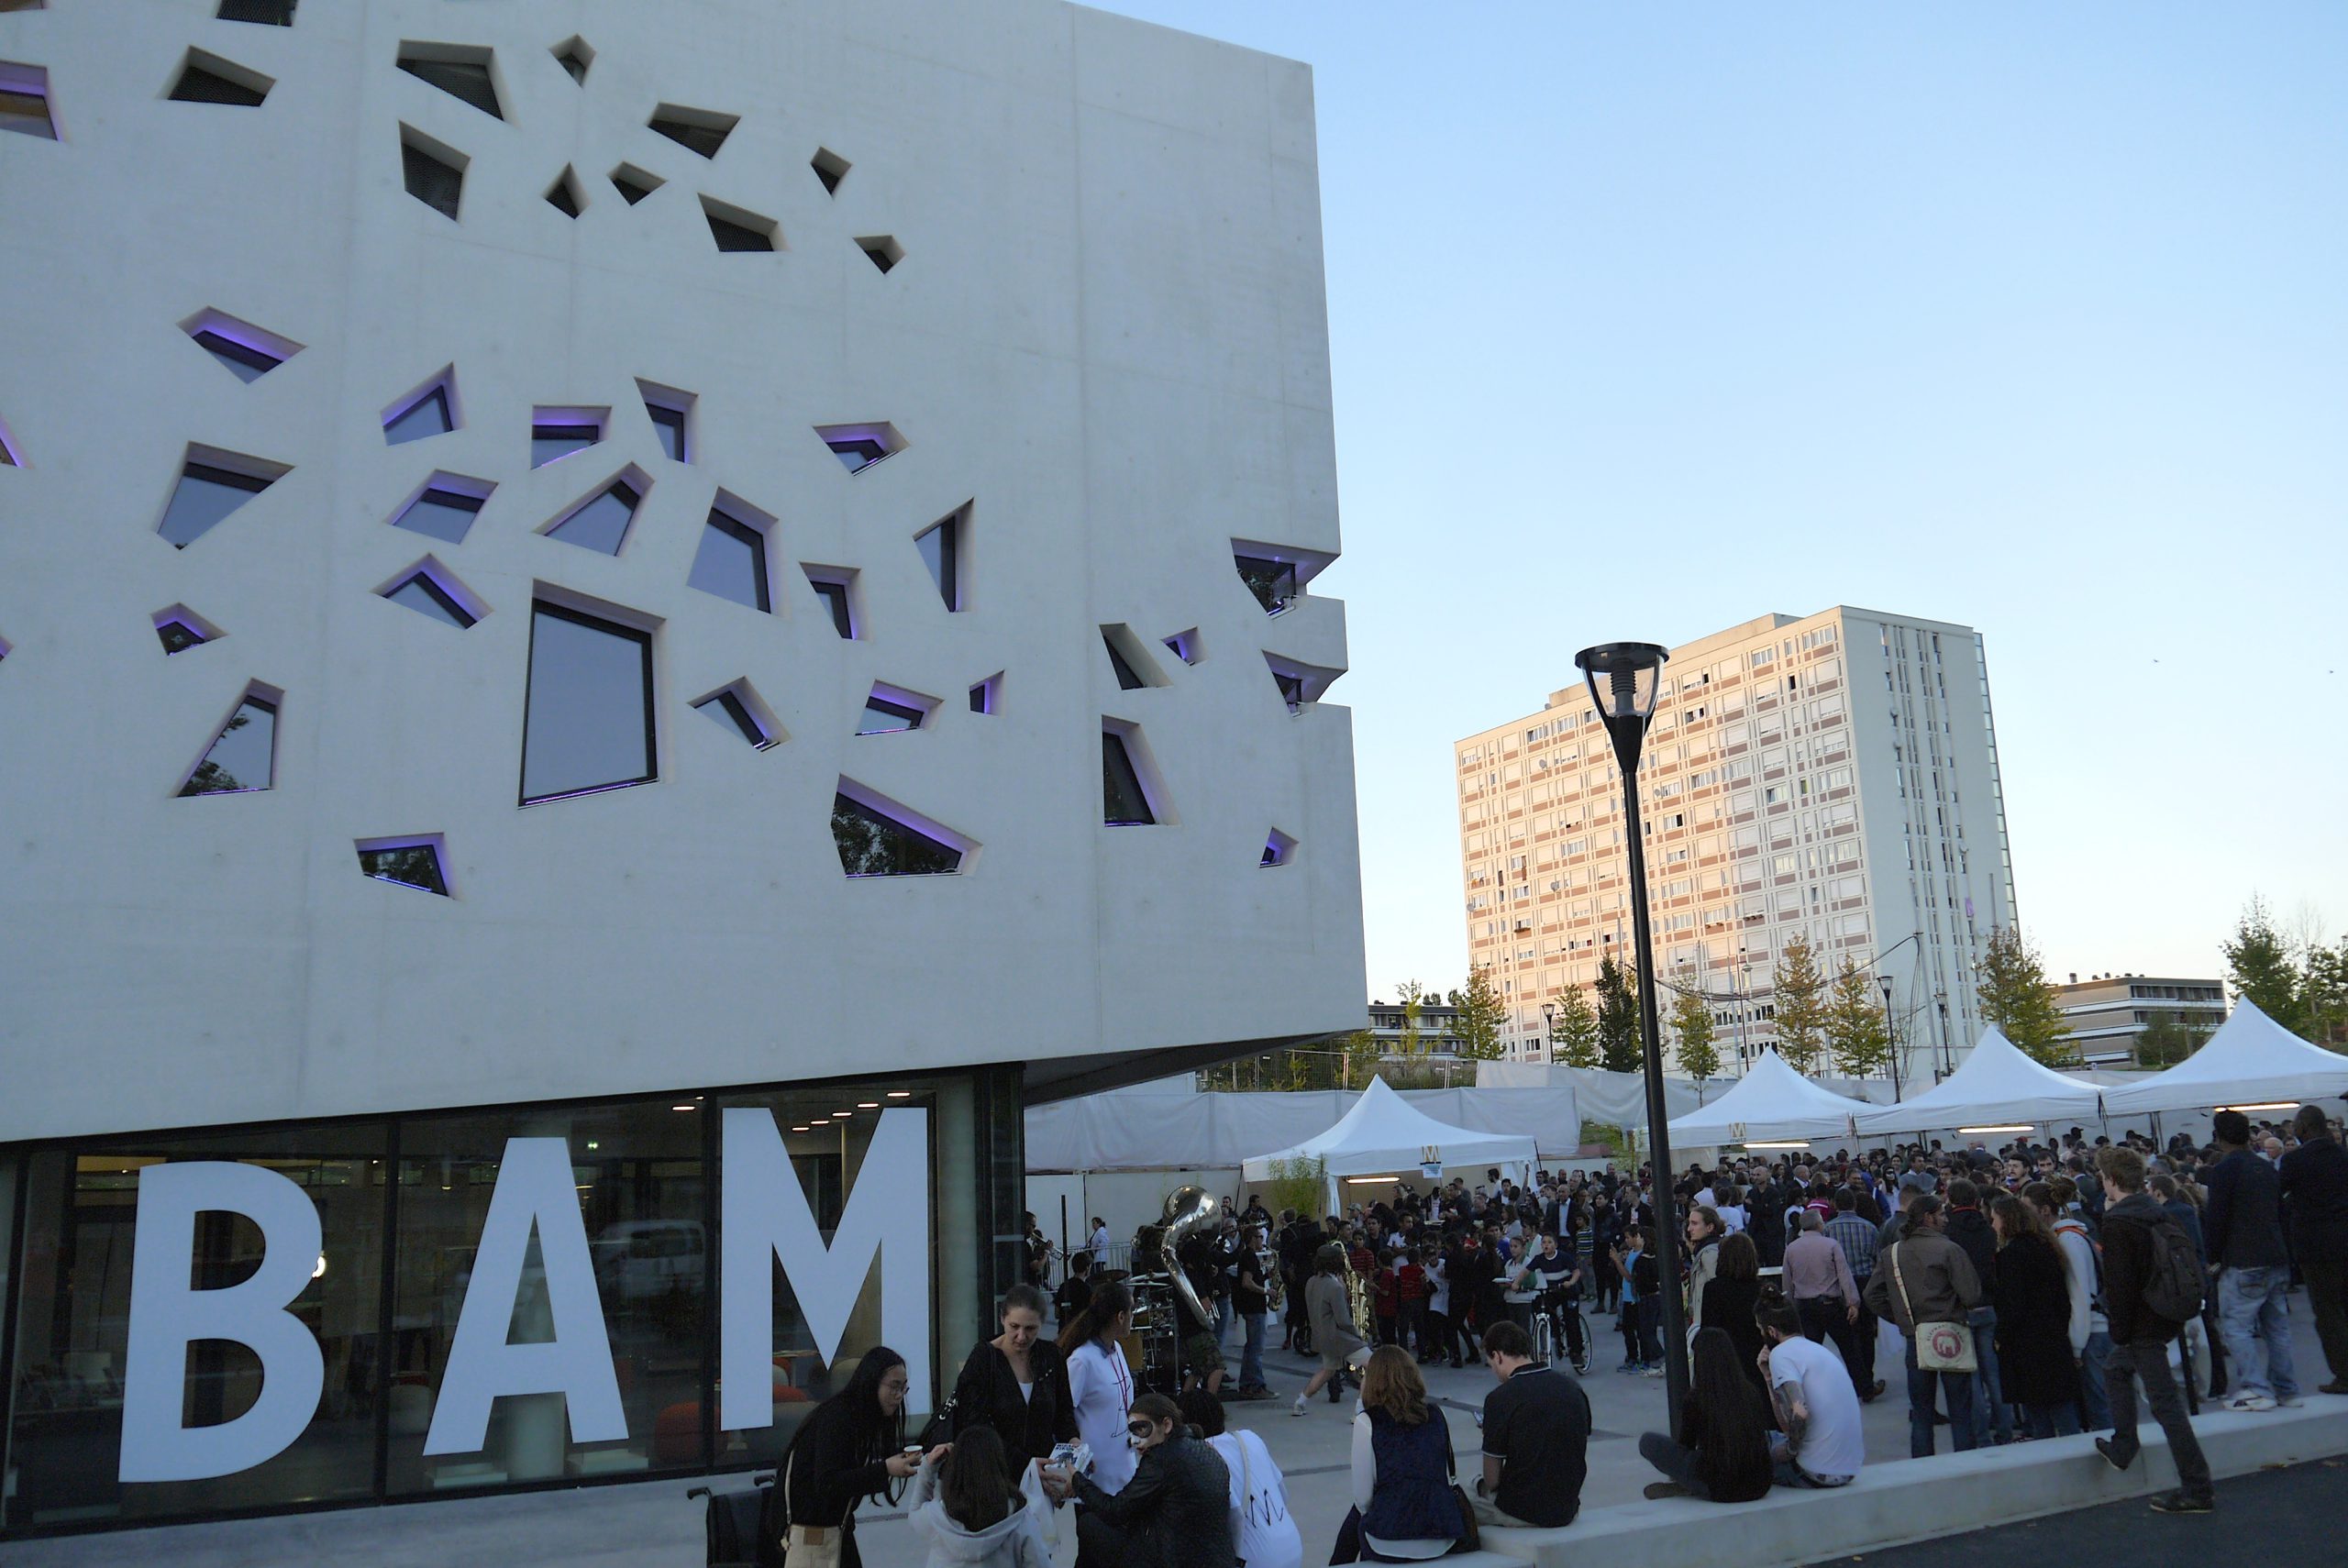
(1917, 1499)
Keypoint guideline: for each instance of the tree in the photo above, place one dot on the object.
(1360, 1062)
(2323, 986)
(1691, 1025)
(1855, 1031)
(2164, 1041)
(1481, 1017)
(1299, 1184)
(1414, 997)
(1798, 1003)
(1573, 1038)
(2017, 1000)
(2258, 962)
(1618, 1047)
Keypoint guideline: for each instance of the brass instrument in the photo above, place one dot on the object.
(1267, 1269)
(1189, 1210)
(1357, 1302)
(1157, 1281)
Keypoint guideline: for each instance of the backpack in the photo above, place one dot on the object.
(2172, 1287)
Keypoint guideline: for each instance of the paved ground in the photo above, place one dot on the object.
(2287, 1515)
(651, 1524)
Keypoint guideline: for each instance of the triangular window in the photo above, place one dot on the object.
(564, 196)
(701, 130)
(873, 842)
(428, 416)
(410, 864)
(601, 522)
(737, 708)
(205, 495)
(207, 79)
(1278, 849)
(243, 757)
(941, 551)
(181, 628)
(735, 229)
(465, 78)
(422, 590)
(732, 562)
(859, 446)
(445, 509)
(634, 184)
(830, 168)
(573, 55)
(246, 362)
(1129, 659)
(1124, 802)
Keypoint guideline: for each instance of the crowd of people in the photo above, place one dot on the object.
(2034, 1290)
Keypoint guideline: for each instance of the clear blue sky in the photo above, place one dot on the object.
(1647, 320)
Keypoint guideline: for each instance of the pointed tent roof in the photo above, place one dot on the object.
(1384, 1134)
(1771, 1102)
(1998, 1085)
(2252, 1060)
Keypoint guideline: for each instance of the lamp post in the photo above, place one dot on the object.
(1948, 1057)
(1549, 1031)
(1890, 1036)
(1625, 679)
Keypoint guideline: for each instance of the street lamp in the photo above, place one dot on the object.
(1890, 1036)
(1549, 1031)
(1948, 1057)
(1625, 679)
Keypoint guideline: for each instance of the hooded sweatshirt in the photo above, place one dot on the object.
(1014, 1540)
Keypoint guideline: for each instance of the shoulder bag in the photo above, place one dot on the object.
(1470, 1537)
(1940, 1347)
(809, 1546)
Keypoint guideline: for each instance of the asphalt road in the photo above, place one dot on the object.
(2289, 1515)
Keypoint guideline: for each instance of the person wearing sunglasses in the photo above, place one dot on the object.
(1174, 1513)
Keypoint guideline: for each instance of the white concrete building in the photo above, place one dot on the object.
(1834, 774)
(569, 572)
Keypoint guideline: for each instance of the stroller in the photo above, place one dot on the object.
(734, 1523)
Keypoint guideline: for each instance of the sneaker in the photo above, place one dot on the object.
(2248, 1402)
(1655, 1371)
(2288, 1401)
(1297, 1409)
(2110, 1451)
(2337, 1385)
(2182, 1503)
(1628, 1366)
(1665, 1490)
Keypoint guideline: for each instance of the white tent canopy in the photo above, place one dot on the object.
(1771, 1103)
(2252, 1060)
(1188, 1131)
(1384, 1134)
(1997, 1087)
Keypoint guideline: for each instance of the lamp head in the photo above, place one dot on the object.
(1625, 679)
(1549, 1013)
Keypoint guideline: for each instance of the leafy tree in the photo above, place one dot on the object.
(2016, 997)
(2323, 984)
(1691, 1025)
(1361, 1055)
(1481, 1017)
(2258, 962)
(1415, 1000)
(1299, 1184)
(1798, 998)
(1855, 1030)
(2164, 1041)
(1618, 1047)
(1573, 1038)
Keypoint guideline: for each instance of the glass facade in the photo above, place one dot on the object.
(402, 1203)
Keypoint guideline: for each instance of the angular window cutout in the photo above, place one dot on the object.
(7, 647)
(1124, 802)
(573, 55)
(267, 13)
(431, 590)
(1274, 574)
(249, 352)
(882, 250)
(212, 485)
(701, 130)
(24, 101)
(242, 757)
(878, 838)
(1134, 667)
(737, 228)
(461, 71)
(566, 195)
(430, 410)
(836, 587)
(556, 433)
(736, 707)
(859, 446)
(731, 560)
(445, 508)
(1300, 684)
(986, 697)
(208, 79)
(180, 628)
(634, 184)
(830, 168)
(1278, 849)
(8, 456)
(408, 862)
(891, 710)
(588, 720)
(670, 410)
(1184, 646)
(941, 545)
(601, 522)
(434, 172)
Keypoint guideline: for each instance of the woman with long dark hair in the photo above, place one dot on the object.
(1723, 1454)
(1730, 1296)
(849, 1449)
(2032, 1295)
(1100, 1383)
(1017, 1382)
(965, 1505)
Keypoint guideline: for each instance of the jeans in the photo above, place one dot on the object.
(2252, 1314)
(1957, 1387)
(1650, 1317)
(1991, 1418)
(2049, 1420)
(2148, 1360)
(1221, 1320)
(2095, 1409)
(1251, 1358)
(1677, 1463)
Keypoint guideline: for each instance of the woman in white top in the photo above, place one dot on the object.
(1260, 1524)
(1100, 1383)
(1403, 1470)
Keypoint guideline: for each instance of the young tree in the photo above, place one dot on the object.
(1573, 1039)
(1481, 1017)
(1414, 1001)
(2016, 997)
(2258, 962)
(1798, 997)
(1619, 1046)
(1691, 1026)
(1360, 1062)
(1855, 1031)
(2323, 984)
(2165, 1040)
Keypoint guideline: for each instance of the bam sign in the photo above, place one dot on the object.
(763, 1215)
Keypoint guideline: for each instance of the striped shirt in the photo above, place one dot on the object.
(1858, 1241)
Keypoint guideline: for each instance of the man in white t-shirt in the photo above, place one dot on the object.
(1819, 1441)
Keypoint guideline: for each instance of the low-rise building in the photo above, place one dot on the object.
(2108, 1014)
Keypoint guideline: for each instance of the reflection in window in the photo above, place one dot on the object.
(601, 522)
(941, 552)
(441, 513)
(204, 495)
(731, 562)
(589, 720)
(735, 709)
(557, 438)
(243, 757)
(428, 415)
(873, 844)
(1124, 802)
(413, 865)
(1272, 583)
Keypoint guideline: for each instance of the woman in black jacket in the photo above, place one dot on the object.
(1723, 1454)
(1730, 1296)
(849, 1449)
(1017, 1382)
(2032, 1296)
(1174, 1513)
